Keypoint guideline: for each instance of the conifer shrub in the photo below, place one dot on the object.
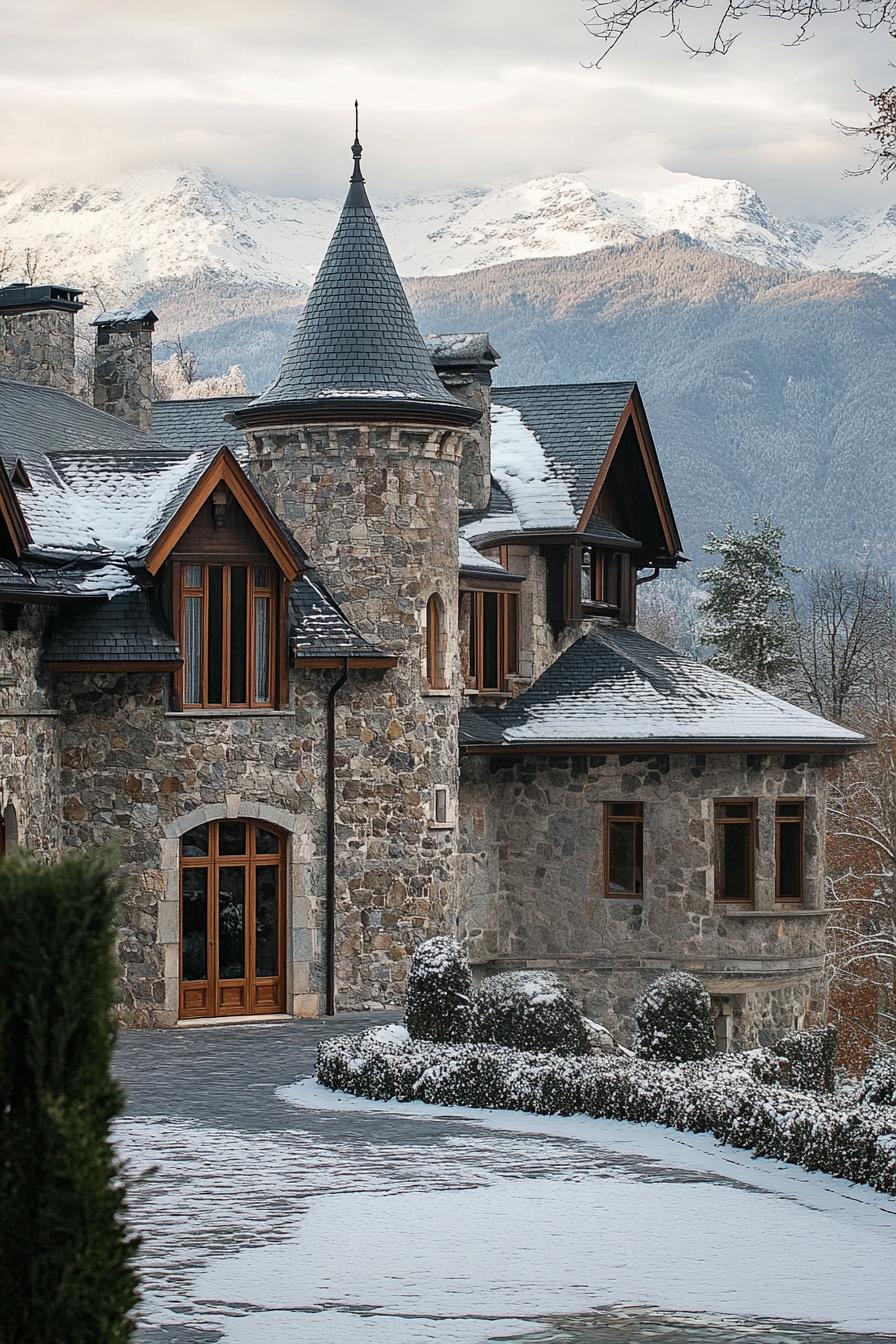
(809, 1056)
(66, 1268)
(879, 1083)
(674, 1020)
(439, 1000)
(529, 1010)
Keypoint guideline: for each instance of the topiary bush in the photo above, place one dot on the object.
(879, 1084)
(810, 1058)
(674, 1020)
(439, 1002)
(529, 1010)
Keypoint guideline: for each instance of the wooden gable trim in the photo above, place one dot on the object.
(633, 413)
(12, 515)
(225, 469)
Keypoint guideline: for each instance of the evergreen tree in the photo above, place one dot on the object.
(65, 1254)
(748, 611)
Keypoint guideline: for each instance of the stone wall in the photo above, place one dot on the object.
(29, 757)
(122, 380)
(135, 776)
(39, 347)
(546, 904)
(376, 508)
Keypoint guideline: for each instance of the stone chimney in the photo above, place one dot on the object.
(122, 379)
(464, 363)
(37, 334)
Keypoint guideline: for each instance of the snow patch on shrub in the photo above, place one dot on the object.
(440, 992)
(810, 1058)
(674, 1020)
(879, 1084)
(529, 1010)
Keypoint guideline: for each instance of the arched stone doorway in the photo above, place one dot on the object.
(232, 919)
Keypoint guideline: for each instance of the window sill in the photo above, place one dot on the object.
(438, 692)
(440, 825)
(229, 713)
(622, 896)
(776, 912)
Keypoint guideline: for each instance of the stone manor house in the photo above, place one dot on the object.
(354, 662)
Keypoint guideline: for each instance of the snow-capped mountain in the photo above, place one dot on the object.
(147, 228)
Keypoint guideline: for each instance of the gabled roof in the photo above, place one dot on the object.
(574, 424)
(551, 449)
(357, 348)
(615, 690)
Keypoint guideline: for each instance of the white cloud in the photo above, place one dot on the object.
(451, 95)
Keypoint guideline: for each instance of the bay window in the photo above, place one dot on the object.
(789, 819)
(735, 835)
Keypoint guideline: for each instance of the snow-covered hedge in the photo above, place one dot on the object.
(530, 1010)
(879, 1084)
(725, 1096)
(674, 1020)
(810, 1058)
(439, 999)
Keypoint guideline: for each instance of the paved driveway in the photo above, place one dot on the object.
(303, 1219)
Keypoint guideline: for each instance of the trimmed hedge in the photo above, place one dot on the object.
(879, 1084)
(810, 1058)
(674, 1019)
(439, 1002)
(529, 1010)
(725, 1096)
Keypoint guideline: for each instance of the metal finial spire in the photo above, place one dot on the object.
(357, 175)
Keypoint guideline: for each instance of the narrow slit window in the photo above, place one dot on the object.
(435, 644)
(624, 850)
(789, 851)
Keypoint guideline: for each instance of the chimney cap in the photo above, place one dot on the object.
(120, 319)
(20, 297)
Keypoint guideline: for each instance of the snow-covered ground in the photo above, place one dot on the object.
(348, 1220)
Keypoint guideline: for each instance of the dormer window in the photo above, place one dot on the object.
(227, 620)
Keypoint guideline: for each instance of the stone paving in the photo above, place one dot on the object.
(236, 1169)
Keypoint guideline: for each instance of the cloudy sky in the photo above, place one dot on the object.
(452, 94)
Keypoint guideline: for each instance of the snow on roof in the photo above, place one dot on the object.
(470, 558)
(538, 489)
(461, 347)
(123, 315)
(613, 686)
(107, 581)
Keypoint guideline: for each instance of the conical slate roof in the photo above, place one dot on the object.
(357, 347)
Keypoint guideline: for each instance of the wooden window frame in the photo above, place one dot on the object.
(635, 817)
(507, 636)
(274, 591)
(751, 823)
(435, 671)
(799, 822)
(249, 861)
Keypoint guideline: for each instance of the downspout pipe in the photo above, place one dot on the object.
(330, 911)
(648, 578)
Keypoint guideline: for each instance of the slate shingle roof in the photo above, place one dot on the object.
(614, 688)
(357, 340)
(191, 425)
(117, 629)
(97, 484)
(574, 423)
(319, 628)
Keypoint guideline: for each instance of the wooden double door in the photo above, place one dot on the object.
(232, 920)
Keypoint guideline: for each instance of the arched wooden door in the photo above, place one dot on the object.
(232, 919)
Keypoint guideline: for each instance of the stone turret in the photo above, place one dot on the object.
(122, 383)
(356, 444)
(37, 334)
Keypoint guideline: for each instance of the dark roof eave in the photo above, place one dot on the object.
(330, 410)
(553, 537)
(730, 746)
(312, 662)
